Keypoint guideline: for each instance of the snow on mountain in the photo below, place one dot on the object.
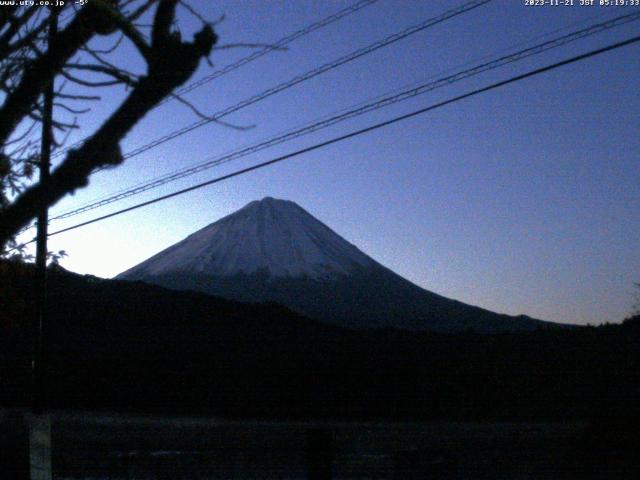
(274, 251)
(271, 235)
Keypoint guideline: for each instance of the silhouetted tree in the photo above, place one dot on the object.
(28, 63)
(635, 312)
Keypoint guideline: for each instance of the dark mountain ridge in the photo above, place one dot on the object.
(368, 298)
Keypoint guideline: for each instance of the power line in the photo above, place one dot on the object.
(394, 91)
(360, 110)
(309, 75)
(279, 44)
(111, 195)
(377, 126)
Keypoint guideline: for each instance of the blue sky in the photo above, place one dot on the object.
(523, 200)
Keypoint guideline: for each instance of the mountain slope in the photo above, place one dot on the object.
(273, 235)
(273, 250)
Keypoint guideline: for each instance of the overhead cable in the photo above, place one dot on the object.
(355, 112)
(362, 131)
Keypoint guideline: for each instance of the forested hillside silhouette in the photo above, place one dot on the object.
(134, 347)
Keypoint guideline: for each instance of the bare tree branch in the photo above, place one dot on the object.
(89, 83)
(42, 70)
(140, 10)
(116, 73)
(68, 96)
(15, 23)
(204, 116)
(170, 62)
(129, 30)
(24, 41)
(107, 50)
(69, 109)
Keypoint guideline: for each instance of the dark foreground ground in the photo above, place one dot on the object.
(119, 447)
(554, 403)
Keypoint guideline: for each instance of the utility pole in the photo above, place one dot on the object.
(39, 394)
(39, 421)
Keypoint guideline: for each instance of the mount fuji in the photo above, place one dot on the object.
(275, 251)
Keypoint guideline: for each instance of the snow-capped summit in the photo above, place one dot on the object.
(274, 251)
(271, 235)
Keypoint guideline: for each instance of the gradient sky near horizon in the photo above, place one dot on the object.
(523, 200)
